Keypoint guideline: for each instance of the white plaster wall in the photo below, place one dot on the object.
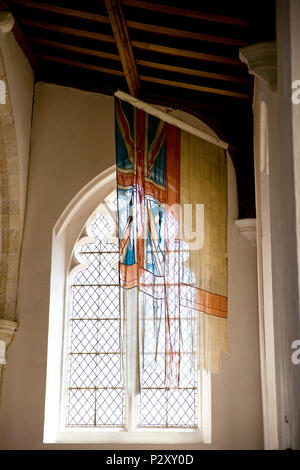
(20, 82)
(72, 141)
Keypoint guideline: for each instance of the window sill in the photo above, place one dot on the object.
(148, 436)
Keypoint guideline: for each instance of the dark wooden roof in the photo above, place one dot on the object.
(183, 54)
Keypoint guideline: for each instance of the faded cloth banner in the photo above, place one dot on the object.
(172, 224)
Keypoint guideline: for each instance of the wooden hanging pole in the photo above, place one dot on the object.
(170, 119)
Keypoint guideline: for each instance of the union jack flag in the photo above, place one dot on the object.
(148, 181)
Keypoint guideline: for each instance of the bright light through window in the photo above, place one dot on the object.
(95, 393)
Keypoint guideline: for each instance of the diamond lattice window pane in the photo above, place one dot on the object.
(153, 406)
(100, 228)
(85, 302)
(84, 335)
(110, 407)
(83, 370)
(91, 274)
(92, 247)
(81, 410)
(109, 302)
(109, 273)
(154, 371)
(109, 370)
(109, 247)
(181, 408)
(109, 335)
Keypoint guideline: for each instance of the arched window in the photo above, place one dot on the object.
(91, 403)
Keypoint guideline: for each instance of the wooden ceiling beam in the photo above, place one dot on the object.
(178, 33)
(188, 86)
(81, 65)
(69, 31)
(195, 14)
(131, 24)
(76, 49)
(119, 27)
(194, 72)
(144, 63)
(84, 15)
(129, 65)
(187, 53)
(191, 86)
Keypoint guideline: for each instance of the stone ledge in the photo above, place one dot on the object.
(247, 228)
(7, 331)
(7, 21)
(261, 59)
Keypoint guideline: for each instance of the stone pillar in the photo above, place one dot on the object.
(10, 222)
(261, 59)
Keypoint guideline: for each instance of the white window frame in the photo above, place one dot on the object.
(65, 235)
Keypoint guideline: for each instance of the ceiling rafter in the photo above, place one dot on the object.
(82, 65)
(187, 53)
(144, 63)
(195, 14)
(194, 72)
(138, 44)
(187, 86)
(84, 15)
(178, 33)
(155, 29)
(119, 27)
(73, 48)
(69, 31)
(192, 86)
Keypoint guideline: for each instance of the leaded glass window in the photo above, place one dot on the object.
(95, 392)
